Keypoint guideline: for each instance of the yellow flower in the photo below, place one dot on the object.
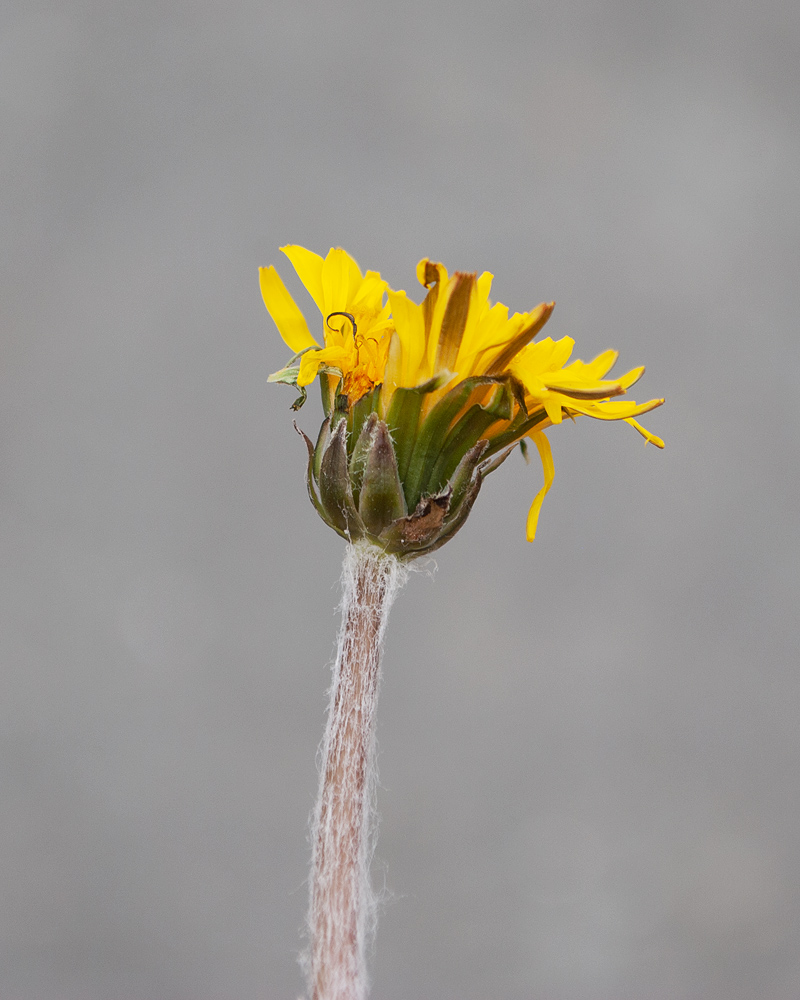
(357, 343)
(455, 331)
(429, 399)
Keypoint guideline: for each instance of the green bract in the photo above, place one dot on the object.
(356, 484)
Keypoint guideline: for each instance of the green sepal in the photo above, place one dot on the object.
(327, 385)
(403, 418)
(359, 413)
(454, 524)
(381, 499)
(491, 464)
(300, 399)
(469, 428)
(523, 447)
(465, 433)
(310, 484)
(358, 460)
(517, 429)
(463, 476)
(433, 432)
(335, 491)
(288, 376)
(322, 443)
(290, 372)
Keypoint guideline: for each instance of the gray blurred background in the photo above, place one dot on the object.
(589, 745)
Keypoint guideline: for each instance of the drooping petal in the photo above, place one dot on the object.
(546, 455)
(283, 309)
(648, 436)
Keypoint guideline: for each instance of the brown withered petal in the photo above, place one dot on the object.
(454, 322)
(419, 529)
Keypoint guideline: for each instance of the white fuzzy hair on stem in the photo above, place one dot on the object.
(342, 912)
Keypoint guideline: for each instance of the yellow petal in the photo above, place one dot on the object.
(628, 379)
(560, 353)
(569, 382)
(309, 270)
(614, 410)
(543, 445)
(309, 365)
(335, 357)
(368, 297)
(484, 286)
(410, 326)
(282, 308)
(341, 279)
(393, 372)
(648, 436)
(552, 406)
(531, 324)
(602, 364)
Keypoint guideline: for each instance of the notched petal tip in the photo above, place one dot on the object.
(430, 272)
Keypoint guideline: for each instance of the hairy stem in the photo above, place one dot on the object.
(342, 912)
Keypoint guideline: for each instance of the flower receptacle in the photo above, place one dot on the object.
(362, 498)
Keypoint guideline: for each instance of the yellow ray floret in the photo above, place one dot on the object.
(356, 326)
(291, 323)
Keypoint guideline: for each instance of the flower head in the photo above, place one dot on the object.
(424, 400)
